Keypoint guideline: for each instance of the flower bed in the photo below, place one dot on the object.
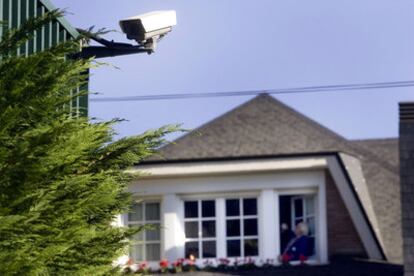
(271, 267)
(209, 265)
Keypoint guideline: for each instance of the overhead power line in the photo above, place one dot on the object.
(309, 89)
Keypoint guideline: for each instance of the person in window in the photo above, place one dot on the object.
(299, 247)
(286, 235)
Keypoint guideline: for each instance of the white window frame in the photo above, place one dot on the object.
(144, 221)
(199, 219)
(321, 237)
(241, 217)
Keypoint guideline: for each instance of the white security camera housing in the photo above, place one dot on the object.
(149, 27)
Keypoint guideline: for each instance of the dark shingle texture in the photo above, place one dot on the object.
(262, 126)
(384, 149)
(265, 126)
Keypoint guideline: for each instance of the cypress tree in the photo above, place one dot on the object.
(62, 179)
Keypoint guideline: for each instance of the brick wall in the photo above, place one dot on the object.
(407, 183)
(343, 239)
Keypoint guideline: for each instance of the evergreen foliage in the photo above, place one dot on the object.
(62, 179)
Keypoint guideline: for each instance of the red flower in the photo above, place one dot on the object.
(224, 261)
(143, 265)
(286, 258)
(302, 258)
(178, 262)
(164, 263)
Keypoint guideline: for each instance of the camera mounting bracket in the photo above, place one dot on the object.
(111, 48)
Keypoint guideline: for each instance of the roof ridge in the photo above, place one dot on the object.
(302, 116)
(197, 129)
(283, 105)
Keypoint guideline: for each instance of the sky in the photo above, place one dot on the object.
(239, 45)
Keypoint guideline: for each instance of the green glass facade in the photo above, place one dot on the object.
(15, 12)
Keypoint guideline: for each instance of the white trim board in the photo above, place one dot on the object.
(357, 215)
(228, 183)
(229, 167)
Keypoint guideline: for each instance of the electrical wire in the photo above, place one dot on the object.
(309, 89)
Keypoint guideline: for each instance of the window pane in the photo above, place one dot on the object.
(209, 229)
(152, 211)
(191, 209)
(209, 249)
(136, 212)
(311, 249)
(153, 235)
(191, 248)
(191, 229)
(310, 207)
(249, 206)
(208, 208)
(137, 252)
(251, 248)
(153, 252)
(298, 207)
(232, 207)
(233, 248)
(233, 228)
(138, 236)
(311, 226)
(250, 227)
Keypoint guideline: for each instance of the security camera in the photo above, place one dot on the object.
(148, 28)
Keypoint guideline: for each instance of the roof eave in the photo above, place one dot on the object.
(234, 158)
(73, 32)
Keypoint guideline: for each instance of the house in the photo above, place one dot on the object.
(16, 12)
(224, 189)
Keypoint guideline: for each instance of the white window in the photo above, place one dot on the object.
(146, 245)
(241, 227)
(200, 228)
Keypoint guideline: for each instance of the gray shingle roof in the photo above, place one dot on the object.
(384, 149)
(264, 126)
